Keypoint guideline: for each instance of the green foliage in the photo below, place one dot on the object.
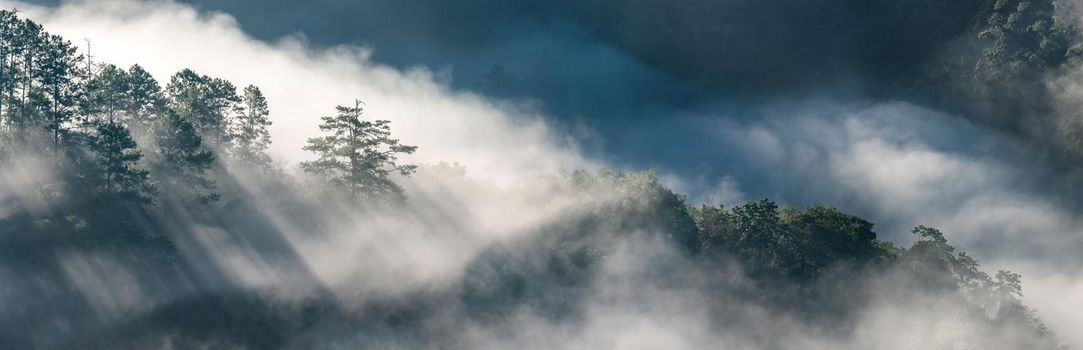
(117, 174)
(130, 97)
(760, 233)
(251, 137)
(106, 93)
(1025, 38)
(181, 158)
(637, 201)
(8, 68)
(358, 155)
(208, 103)
(40, 82)
(791, 242)
(145, 100)
(22, 43)
(712, 226)
(934, 263)
(819, 237)
(59, 74)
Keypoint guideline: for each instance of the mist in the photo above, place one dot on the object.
(512, 233)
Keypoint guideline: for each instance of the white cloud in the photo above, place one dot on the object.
(303, 84)
(882, 160)
(903, 166)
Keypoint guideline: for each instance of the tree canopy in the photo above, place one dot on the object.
(358, 154)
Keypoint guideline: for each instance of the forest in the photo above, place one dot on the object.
(138, 213)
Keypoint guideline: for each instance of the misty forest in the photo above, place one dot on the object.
(143, 210)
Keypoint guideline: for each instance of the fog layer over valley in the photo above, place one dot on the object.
(174, 182)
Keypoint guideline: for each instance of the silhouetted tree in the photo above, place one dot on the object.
(130, 97)
(181, 158)
(60, 75)
(145, 100)
(759, 230)
(207, 103)
(251, 138)
(818, 237)
(119, 177)
(358, 154)
(25, 99)
(8, 68)
(107, 94)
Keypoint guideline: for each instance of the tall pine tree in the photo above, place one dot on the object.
(208, 103)
(182, 161)
(25, 117)
(130, 97)
(107, 94)
(8, 72)
(119, 177)
(60, 81)
(146, 101)
(251, 138)
(358, 154)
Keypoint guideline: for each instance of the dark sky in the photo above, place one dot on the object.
(733, 47)
(618, 66)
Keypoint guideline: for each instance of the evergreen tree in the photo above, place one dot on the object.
(357, 154)
(39, 81)
(252, 138)
(130, 97)
(60, 78)
(182, 161)
(107, 94)
(8, 72)
(208, 103)
(146, 102)
(118, 175)
(24, 117)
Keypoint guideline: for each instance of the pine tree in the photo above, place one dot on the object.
(24, 116)
(208, 103)
(107, 94)
(8, 73)
(40, 81)
(130, 97)
(357, 154)
(146, 102)
(118, 175)
(252, 138)
(182, 161)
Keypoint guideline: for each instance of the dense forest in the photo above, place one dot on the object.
(128, 205)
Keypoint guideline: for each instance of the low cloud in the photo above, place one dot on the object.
(492, 138)
(896, 163)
